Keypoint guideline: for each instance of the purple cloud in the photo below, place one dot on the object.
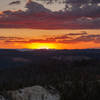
(81, 15)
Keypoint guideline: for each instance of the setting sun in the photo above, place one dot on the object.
(42, 46)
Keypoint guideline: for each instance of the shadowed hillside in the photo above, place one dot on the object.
(69, 72)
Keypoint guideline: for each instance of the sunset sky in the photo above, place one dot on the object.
(50, 24)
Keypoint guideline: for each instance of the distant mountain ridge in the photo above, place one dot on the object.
(20, 57)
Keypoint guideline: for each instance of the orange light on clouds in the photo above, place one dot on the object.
(36, 34)
(42, 46)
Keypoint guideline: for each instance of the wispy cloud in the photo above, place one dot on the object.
(83, 38)
(15, 2)
(10, 38)
(64, 39)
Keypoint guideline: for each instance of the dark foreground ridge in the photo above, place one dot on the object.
(74, 73)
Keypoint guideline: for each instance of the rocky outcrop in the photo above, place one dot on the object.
(30, 93)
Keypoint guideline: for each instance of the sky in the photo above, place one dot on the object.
(50, 24)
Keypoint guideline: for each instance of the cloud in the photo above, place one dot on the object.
(15, 3)
(10, 38)
(65, 38)
(33, 7)
(78, 14)
(71, 1)
(97, 40)
(76, 34)
(31, 41)
(41, 41)
(83, 38)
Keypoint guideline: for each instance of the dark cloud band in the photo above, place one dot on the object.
(75, 16)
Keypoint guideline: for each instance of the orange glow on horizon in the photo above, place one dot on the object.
(42, 46)
(36, 34)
